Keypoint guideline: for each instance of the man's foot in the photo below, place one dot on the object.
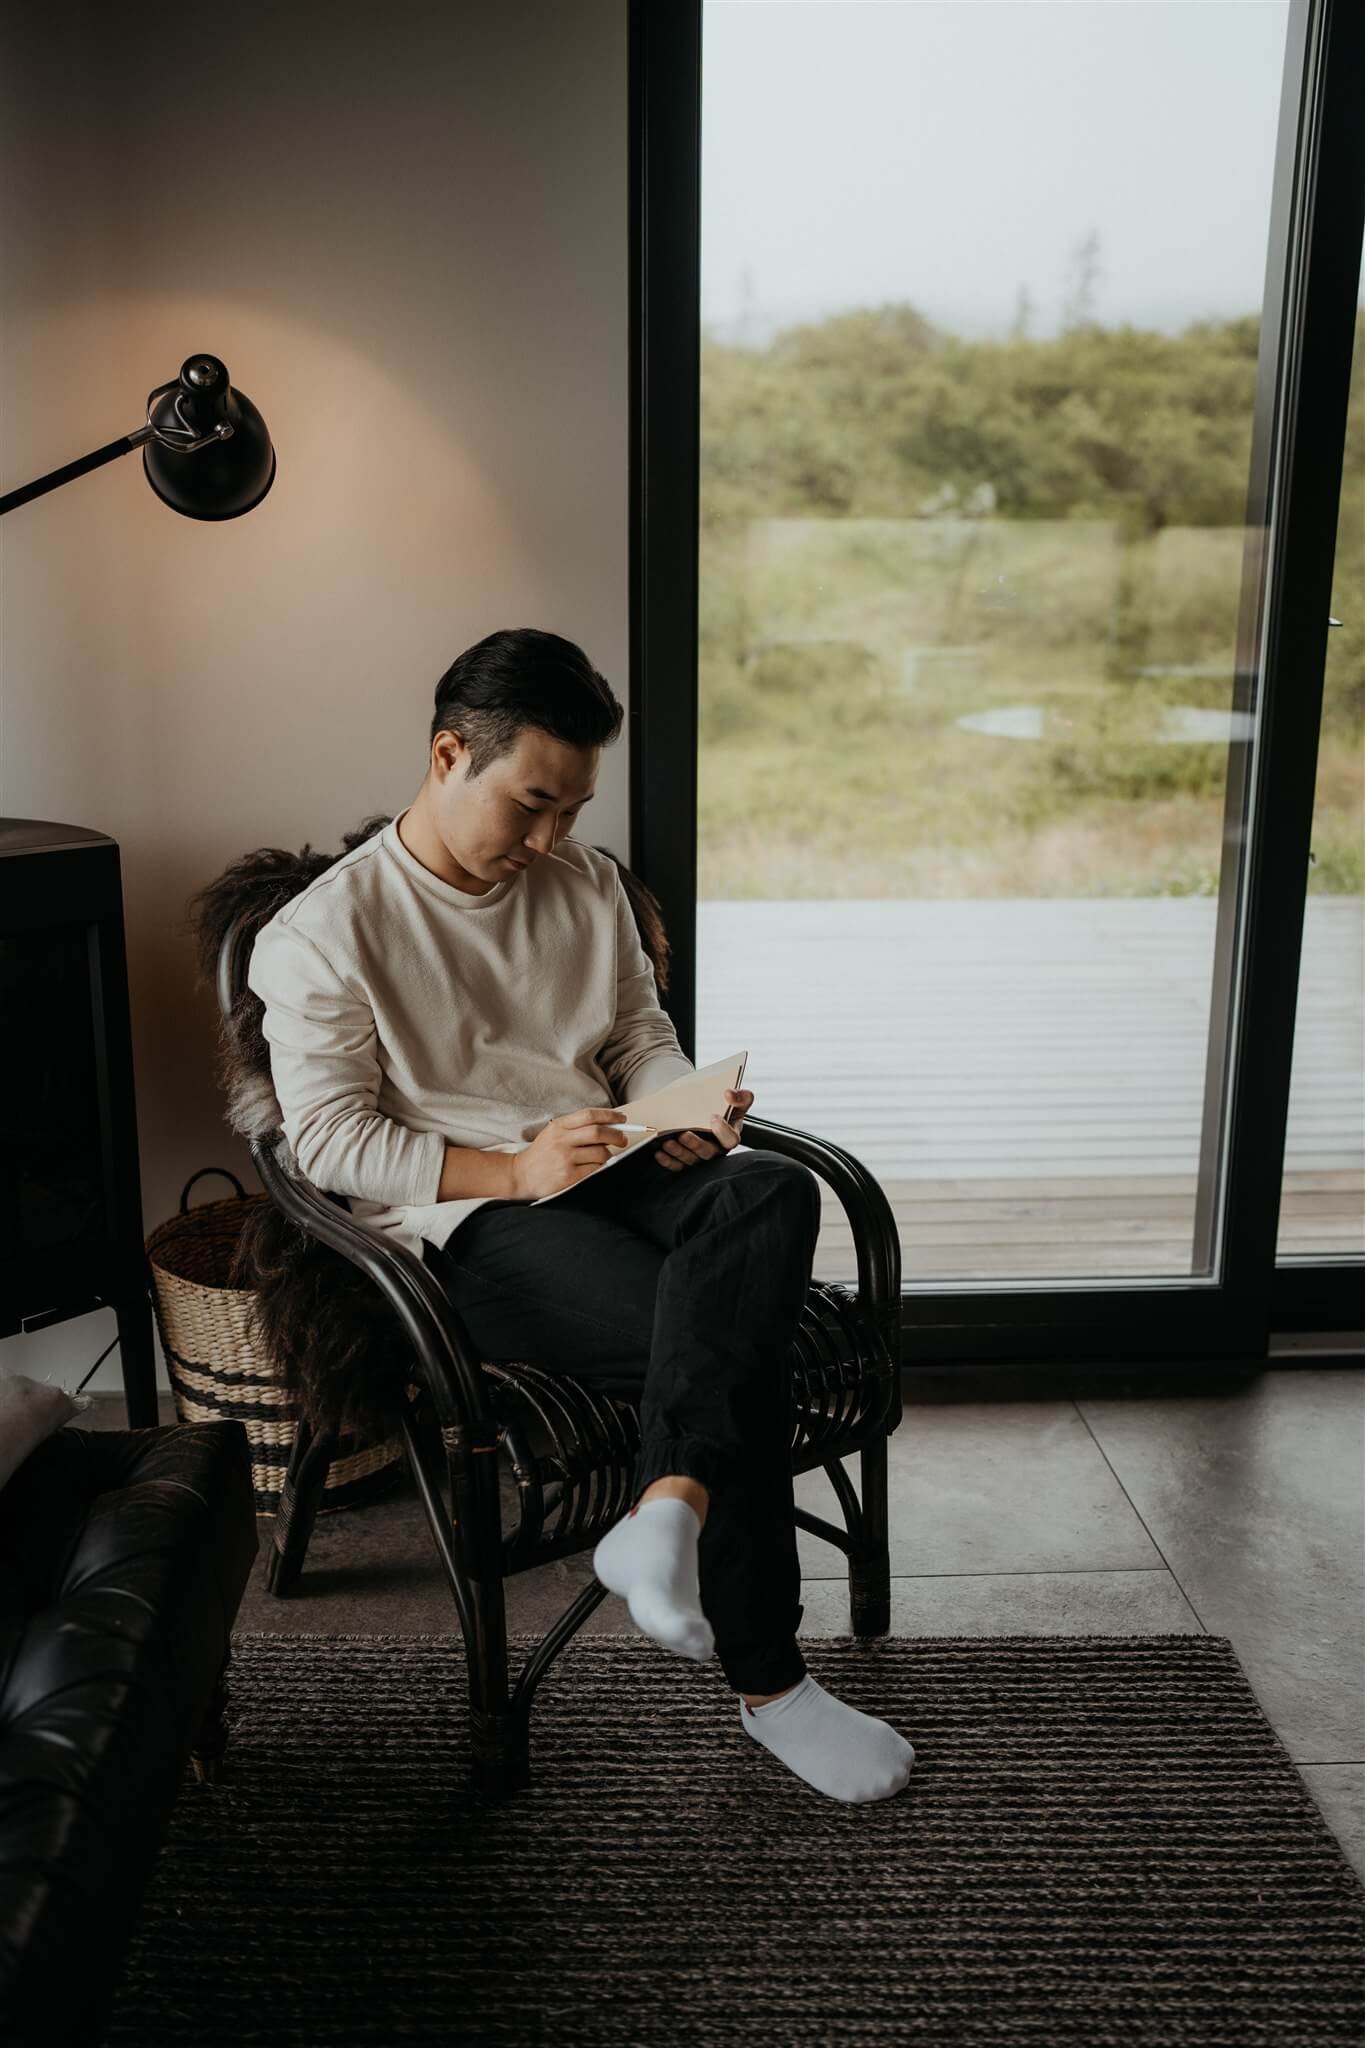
(650, 1558)
(676, 1486)
(846, 1754)
(765, 1699)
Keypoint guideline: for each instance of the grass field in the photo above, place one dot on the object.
(959, 707)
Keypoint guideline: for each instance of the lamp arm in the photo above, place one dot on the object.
(184, 440)
(72, 469)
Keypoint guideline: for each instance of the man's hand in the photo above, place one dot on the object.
(686, 1148)
(566, 1151)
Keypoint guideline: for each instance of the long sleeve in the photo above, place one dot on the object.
(323, 1059)
(641, 1052)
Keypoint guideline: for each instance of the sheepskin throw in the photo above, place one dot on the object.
(338, 1349)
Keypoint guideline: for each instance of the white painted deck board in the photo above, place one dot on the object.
(1026, 1078)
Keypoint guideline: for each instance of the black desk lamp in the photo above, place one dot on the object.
(71, 1234)
(205, 449)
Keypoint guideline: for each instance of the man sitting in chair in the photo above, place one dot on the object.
(454, 1009)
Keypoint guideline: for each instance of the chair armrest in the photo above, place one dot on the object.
(876, 1239)
(447, 1362)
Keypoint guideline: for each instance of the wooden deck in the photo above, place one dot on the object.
(1025, 1078)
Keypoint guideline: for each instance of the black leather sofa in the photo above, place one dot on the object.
(123, 1558)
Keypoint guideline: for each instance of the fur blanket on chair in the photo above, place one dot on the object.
(337, 1347)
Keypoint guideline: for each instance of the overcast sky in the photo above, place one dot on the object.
(946, 152)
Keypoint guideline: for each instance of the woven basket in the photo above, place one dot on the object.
(217, 1368)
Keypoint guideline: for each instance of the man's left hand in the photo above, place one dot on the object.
(687, 1148)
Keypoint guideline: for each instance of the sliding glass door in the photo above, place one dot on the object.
(971, 342)
(1322, 1203)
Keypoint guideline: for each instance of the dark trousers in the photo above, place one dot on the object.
(683, 1288)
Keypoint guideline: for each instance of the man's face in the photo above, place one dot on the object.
(518, 809)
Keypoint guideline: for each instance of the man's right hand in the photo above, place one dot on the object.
(566, 1151)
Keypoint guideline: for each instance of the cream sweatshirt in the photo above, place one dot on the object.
(403, 1013)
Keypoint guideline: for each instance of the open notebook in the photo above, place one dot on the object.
(685, 1105)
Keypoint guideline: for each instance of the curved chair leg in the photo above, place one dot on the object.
(869, 1568)
(468, 1538)
(500, 1733)
(552, 1642)
(304, 1482)
(211, 1741)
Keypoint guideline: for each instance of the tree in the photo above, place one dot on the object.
(1078, 307)
(1023, 314)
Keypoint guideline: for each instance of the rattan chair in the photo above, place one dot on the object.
(572, 1445)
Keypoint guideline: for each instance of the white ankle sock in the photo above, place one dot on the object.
(650, 1557)
(840, 1751)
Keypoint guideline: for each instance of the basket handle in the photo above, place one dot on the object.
(184, 1192)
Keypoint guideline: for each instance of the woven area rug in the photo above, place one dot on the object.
(1102, 1841)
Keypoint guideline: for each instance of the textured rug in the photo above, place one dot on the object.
(1102, 1841)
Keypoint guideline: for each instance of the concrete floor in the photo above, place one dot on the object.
(1038, 1503)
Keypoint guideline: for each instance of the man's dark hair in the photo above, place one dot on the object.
(522, 677)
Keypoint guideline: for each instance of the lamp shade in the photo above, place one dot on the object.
(211, 457)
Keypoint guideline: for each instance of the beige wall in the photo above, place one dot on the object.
(404, 229)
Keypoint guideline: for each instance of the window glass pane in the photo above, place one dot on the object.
(981, 299)
(1322, 1203)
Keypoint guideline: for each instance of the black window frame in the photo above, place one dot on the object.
(1308, 323)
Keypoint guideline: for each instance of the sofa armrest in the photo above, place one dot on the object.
(123, 1558)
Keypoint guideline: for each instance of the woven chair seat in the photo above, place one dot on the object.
(570, 1442)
